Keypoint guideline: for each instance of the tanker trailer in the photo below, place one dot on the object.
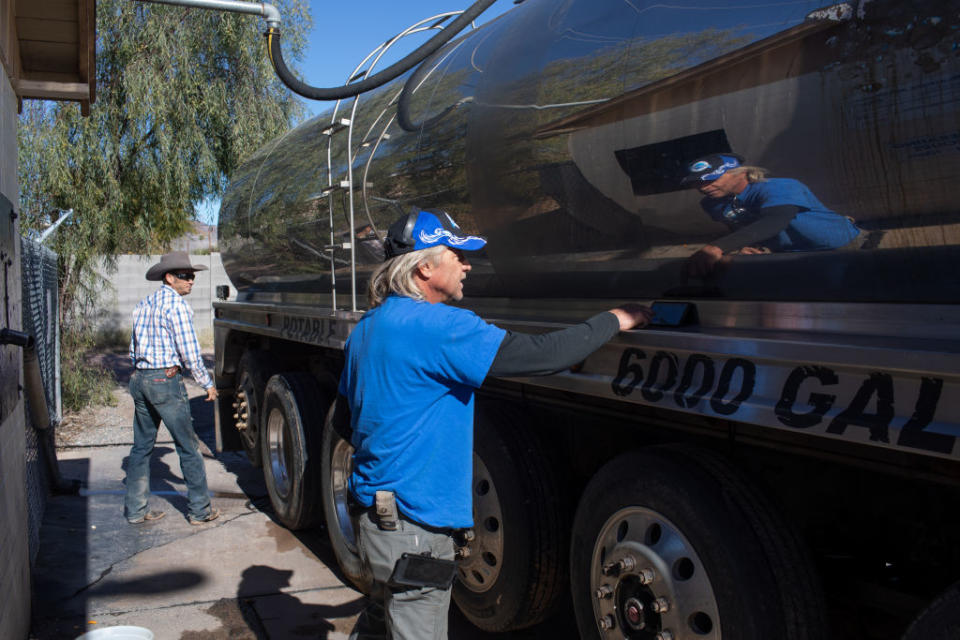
(777, 456)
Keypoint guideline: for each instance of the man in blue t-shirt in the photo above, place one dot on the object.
(412, 365)
(765, 215)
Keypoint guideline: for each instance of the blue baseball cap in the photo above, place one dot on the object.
(424, 229)
(709, 168)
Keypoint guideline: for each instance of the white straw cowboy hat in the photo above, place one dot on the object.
(173, 261)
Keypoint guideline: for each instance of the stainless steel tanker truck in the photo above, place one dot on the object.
(776, 458)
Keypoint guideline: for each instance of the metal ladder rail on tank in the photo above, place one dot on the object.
(335, 126)
(386, 136)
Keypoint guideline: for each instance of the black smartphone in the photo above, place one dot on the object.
(672, 314)
(413, 570)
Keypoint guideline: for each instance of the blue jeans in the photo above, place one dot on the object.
(157, 397)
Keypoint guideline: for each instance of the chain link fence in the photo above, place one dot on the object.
(41, 320)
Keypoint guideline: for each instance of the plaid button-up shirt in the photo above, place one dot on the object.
(163, 335)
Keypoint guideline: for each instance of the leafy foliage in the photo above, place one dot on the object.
(183, 96)
(83, 383)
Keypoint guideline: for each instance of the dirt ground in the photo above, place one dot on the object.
(111, 425)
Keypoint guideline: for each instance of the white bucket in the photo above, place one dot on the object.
(118, 633)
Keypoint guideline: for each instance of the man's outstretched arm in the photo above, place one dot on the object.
(524, 354)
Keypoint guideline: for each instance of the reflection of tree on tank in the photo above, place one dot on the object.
(541, 115)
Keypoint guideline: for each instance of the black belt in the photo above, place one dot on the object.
(167, 371)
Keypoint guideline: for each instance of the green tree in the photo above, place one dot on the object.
(183, 96)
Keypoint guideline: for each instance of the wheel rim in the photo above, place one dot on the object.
(341, 466)
(279, 452)
(647, 581)
(247, 422)
(480, 570)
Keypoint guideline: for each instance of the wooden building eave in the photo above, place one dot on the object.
(48, 48)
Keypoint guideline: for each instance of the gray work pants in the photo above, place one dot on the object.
(398, 613)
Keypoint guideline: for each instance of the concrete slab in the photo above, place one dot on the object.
(93, 563)
(241, 576)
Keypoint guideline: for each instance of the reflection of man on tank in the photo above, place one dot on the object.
(369, 245)
(764, 215)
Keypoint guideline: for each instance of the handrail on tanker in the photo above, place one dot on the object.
(433, 22)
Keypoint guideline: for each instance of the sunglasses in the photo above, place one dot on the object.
(189, 275)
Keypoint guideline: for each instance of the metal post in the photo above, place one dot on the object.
(50, 230)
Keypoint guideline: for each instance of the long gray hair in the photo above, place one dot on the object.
(754, 174)
(396, 275)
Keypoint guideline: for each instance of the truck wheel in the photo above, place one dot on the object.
(293, 412)
(253, 371)
(516, 570)
(939, 621)
(673, 540)
(337, 467)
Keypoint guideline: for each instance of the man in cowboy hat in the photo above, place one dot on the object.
(162, 344)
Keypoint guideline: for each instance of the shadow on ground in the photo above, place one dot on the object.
(84, 536)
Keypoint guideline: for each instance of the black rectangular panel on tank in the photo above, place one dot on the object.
(659, 167)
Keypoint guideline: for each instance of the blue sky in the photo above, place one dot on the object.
(345, 32)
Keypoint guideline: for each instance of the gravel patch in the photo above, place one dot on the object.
(104, 425)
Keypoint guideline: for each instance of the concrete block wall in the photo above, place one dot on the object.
(14, 537)
(127, 286)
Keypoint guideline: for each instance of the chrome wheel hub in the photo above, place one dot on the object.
(480, 570)
(279, 452)
(341, 466)
(649, 582)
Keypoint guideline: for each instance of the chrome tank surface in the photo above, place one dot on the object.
(561, 131)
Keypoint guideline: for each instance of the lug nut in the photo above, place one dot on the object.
(606, 623)
(661, 605)
(234, 405)
(462, 553)
(469, 535)
(604, 591)
(243, 404)
(647, 576)
(666, 634)
(626, 563)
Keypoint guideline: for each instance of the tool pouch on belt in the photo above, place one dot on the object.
(385, 504)
(172, 371)
(413, 570)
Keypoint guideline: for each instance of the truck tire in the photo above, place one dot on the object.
(341, 527)
(939, 621)
(293, 412)
(674, 539)
(516, 571)
(253, 371)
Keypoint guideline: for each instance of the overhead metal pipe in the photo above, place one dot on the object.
(270, 13)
